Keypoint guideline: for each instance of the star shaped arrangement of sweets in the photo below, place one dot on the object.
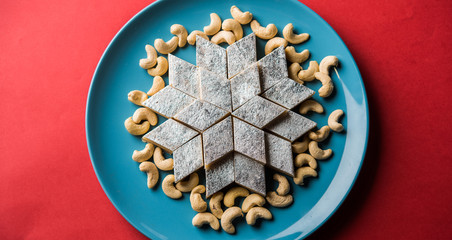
(230, 115)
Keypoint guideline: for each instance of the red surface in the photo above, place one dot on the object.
(49, 50)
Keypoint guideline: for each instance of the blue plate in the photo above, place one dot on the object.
(111, 146)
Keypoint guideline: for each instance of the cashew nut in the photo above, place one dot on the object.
(228, 216)
(169, 189)
(327, 62)
(257, 212)
(161, 162)
(137, 97)
(188, 185)
(214, 26)
(274, 43)
(264, 32)
(327, 84)
(145, 114)
(233, 26)
(283, 184)
(143, 155)
(181, 33)
(310, 105)
(206, 218)
(136, 128)
(215, 204)
(320, 134)
(252, 201)
(233, 193)
(223, 36)
(318, 153)
(166, 47)
(152, 172)
(308, 74)
(293, 70)
(151, 59)
(303, 159)
(301, 147)
(292, 37)
(157, 85)
(160, 69)
(294, 56)
(241, 17)
(333, 120)
(279, 201)
(197, 203)
(303, 173)
(192, 37)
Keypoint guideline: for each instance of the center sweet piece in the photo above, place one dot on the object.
(230, 114)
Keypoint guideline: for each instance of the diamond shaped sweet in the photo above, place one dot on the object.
(217, 141)
(245, 85)
(200, 115)
(183, 76)
(241, 54)
(215, 89)
(168, 101)
(288, 93)
(249, 140)
(291, 126)
(249, 173)
(259, 111)
(219, 175)
(273, 68)
(188, 158)
(211, 57)
(279, 154)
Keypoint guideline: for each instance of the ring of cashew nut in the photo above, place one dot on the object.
(303, 173)
(192, 37)
(292, 37)
(252, 201)
(257, 212)
(233, 26)
(228, 216)
(214, 26)
(157, 85)
(143, 155)
(161, 162)
(166, 47)
(303, 159)
(333, 120)
(188, 185)
(308, 74)
(151, 58)
(152, 172)
(215, 204)
(265, 33)
(318, 153)
(301, 147)
(283, 184)
(206, 218)
(145, 114)
(223, 36)
(233, 193)
(279, 201)
(137, 97)
(327, 62)
(320, 134)
(293, 56)
(160, 69)
(169, 189)
(136, 128)
(327, 84)
(197, 203)
(241, 17)
(293, 70)
(310, 105)
(181, 33)
(274, 43)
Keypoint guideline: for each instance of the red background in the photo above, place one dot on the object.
(49, 50)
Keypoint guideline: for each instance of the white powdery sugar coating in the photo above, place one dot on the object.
(200, 115)
(249, 140)
(279, 154)
(288, 93)
(170, 135)
(273, 68)
(183, 76)
(168, 101)
(220, 175)
(241, 54)
(217, 141)
(291, 126)
(259, 111)
(215, 89)
(249, 173)
(245, 85)
(211, 57)
(188, 158)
